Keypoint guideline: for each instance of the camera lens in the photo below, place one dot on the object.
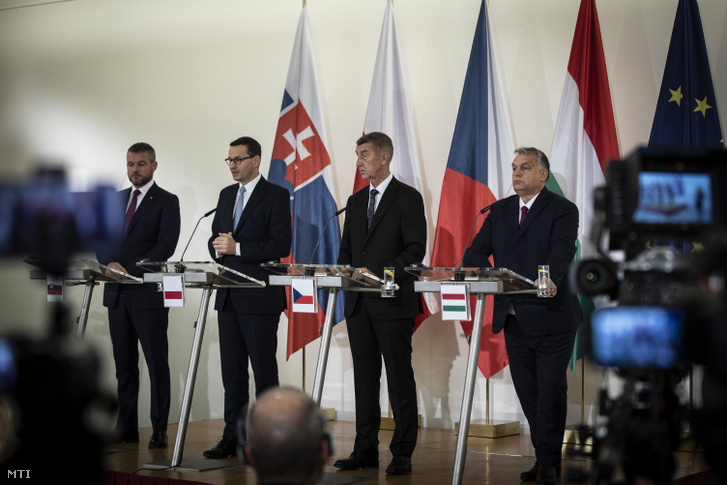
(595, 277)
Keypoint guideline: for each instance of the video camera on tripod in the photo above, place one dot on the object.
(665, 212)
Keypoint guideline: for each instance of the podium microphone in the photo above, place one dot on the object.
(337, 213)
(459, 275)
(180, 267)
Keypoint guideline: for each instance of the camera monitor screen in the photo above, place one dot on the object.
(668, 198)
(637, 337)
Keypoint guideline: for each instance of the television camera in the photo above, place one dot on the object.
(660, 231)
(50, 396)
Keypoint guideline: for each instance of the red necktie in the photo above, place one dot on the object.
(523, 211)
(132, 208)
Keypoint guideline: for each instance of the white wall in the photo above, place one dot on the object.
(83, 80)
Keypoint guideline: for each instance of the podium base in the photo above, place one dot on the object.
(329, 414)
(388, 424)
(494, 429)
(194, 464)
(571, 437)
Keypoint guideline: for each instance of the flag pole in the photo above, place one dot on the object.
(583, 391)
(302, 367)
(487, 400)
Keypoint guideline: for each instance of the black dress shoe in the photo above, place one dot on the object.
(158, 439)
(357, 461)
(400, 465)
(532, 474)
(223, 449)
(125, 435)
(546, 475)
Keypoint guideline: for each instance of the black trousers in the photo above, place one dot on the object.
(243, 338)
(370, 340)
(538, 366)
(128, 327)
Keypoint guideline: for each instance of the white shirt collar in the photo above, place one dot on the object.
(382, 186)
(250, 186)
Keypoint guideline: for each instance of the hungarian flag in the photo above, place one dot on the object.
(477, 174)
(686, 110)
(388, 112)
(585, 136)
(301, 163)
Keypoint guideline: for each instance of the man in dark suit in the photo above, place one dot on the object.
(136, 312)
(385, 227)
(535, 227)
(252, 226)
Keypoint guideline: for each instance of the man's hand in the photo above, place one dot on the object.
(552, 289)
(117, 267)
(364, 278)
(224, 244)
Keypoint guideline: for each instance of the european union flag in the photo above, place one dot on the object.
(686, 111)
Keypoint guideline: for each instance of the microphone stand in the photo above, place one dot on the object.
(179, 267)
(310, 271)
(459, 273)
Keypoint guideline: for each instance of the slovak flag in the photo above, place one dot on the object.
(301, 163)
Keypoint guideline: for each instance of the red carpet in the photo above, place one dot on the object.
(119, 478)
(701, 478)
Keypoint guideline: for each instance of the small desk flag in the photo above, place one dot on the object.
(173, 289)
(304, 291)
(455, 302)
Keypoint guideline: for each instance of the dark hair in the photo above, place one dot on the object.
(543, 161)
(379, 141)
(253, 147)
(286, 444)
(142, 147)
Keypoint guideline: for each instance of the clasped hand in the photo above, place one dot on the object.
(225, 244)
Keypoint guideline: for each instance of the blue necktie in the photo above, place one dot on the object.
(372, 207)
(238, 206)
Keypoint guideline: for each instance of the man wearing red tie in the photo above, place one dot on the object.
(136, 312)
(535, 227)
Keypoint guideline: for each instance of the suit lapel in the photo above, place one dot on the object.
(540, 203)
(255, 198)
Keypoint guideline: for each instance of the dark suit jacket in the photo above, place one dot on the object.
(547, 236)
(264, 233)
(397, 238)
(152, 235)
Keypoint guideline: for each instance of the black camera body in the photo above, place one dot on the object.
(661, 233)
(51, 399)
(664, 210)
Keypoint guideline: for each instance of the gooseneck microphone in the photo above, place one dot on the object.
(459, 275)
(337, 213)
(180, 267)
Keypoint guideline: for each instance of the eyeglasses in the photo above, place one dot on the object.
(238, 160)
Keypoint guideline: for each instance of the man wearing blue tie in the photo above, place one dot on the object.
(251, 226)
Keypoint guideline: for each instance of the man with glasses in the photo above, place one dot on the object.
(251, 226)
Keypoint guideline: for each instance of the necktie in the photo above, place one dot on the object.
(132, 208)
(372, 206)
(523, 211)
(239, 206)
